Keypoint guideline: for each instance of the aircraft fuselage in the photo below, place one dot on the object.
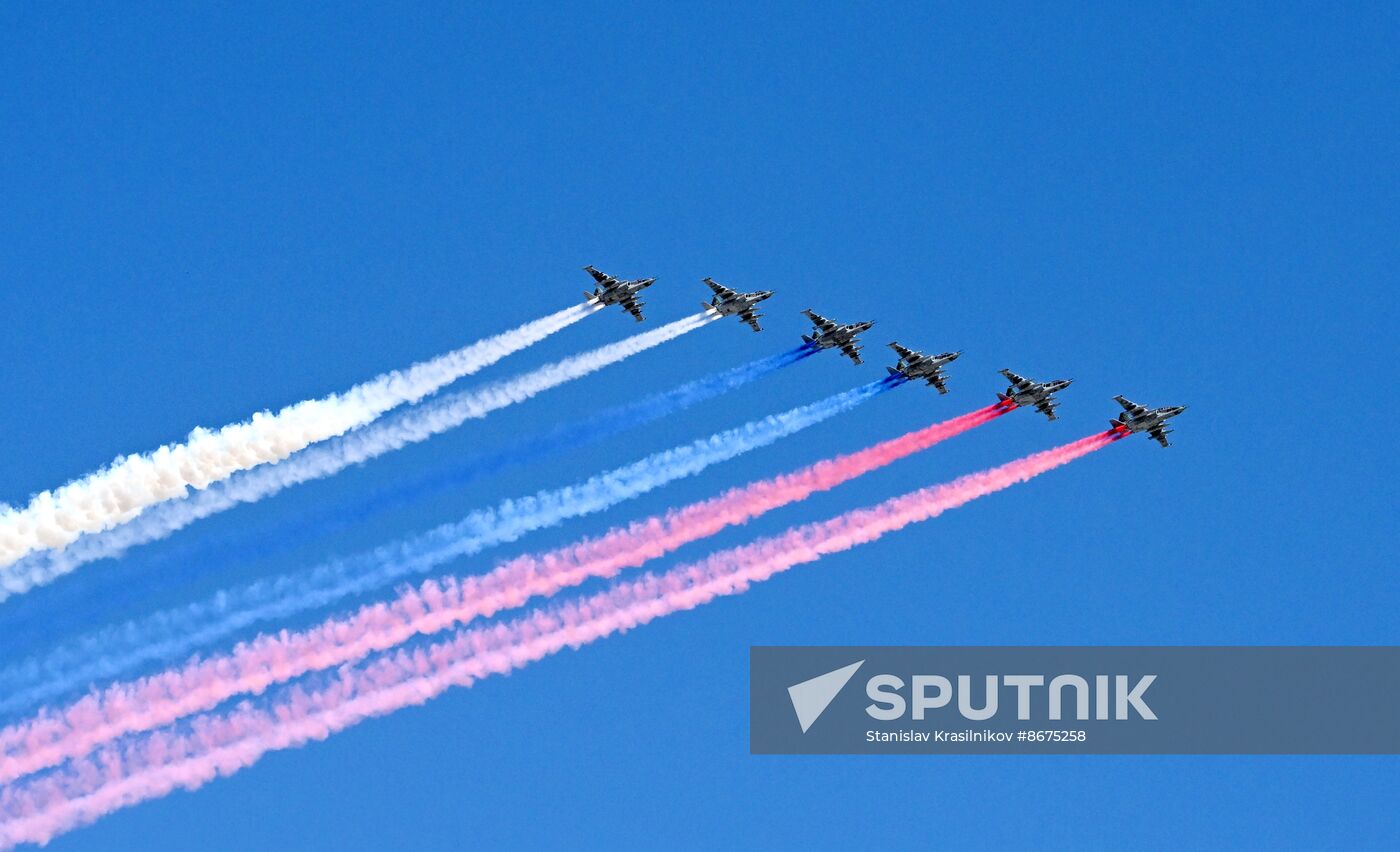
(929, 365)
(619, 292)
(740, 303)
(839, 336)
(1151, 420)
(1033, 395)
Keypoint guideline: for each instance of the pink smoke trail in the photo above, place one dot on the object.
(53, 736)
(154, 764)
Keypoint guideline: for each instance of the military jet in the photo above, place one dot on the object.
(1137, 418)
(728, 303)
(1023, 391)
(615, 291)
(916, 365)
(829, 335)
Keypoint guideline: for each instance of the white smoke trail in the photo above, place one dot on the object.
(119, 492)
(331, 457)
(174, 633)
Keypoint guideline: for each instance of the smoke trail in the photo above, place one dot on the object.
(119, 492)
(244, 546)
(175, 632)
(332, 457)
(596, 427)
(124, 708)
(154, 764)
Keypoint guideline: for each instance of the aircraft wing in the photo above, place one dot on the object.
(1131, 407)
(904, 352)
(633, 307)
(1160, 436)
(1047, 407)
(939, 381)
(748, 316)
(720, 290)
(852, 352)
(820, 321)
(1018, 381)
(601, 277)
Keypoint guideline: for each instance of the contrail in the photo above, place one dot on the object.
(246, 545)
(331, 457)
(154, 764)
(150, 702)
(571, 435)
(119, 492)
(175, 632)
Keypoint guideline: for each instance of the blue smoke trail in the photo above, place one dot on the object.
(175, 633)
(596, 428)
(65, 610)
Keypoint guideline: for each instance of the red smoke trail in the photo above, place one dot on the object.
(219, 744)
(123, 708)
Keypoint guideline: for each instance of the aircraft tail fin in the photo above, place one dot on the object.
(807, 338)
(1003, 397)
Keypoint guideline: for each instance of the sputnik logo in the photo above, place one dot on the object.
(810, 698)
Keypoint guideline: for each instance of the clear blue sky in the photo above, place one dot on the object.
(205, 213)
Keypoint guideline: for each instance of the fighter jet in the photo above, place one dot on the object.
(614, 291)
(1023, 391)
(829, 335)
(916, 365)
(1153, 421)
(728, 303)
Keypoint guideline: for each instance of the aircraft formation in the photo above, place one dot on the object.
(59, 769)
(912, 365)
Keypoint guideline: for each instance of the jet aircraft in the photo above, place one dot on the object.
(1138, 418)
(728, 303)
(829, 335)
(916, 365)
(1023, 391)
(615, 291)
